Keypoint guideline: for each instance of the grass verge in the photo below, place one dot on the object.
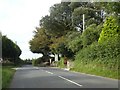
(95, 69)
(60, 63)
(7, 75)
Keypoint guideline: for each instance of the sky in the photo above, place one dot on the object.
(18, 19)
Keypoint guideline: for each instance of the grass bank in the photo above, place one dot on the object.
(99, 59)
(7, 75)
(95, 69)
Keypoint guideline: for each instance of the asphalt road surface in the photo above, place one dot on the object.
(49, 77)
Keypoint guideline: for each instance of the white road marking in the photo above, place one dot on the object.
(66, 79)
(49, 72)
(70, 81)
(36, 67)
(25, 68)
(15, 68)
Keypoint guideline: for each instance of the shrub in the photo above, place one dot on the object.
(110, 31)
(35, 62)
(91, 34)
(61, 63)
(74, 41)
(107, 55)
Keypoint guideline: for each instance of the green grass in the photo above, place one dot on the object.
(95, 69)
(60, 63)
(7, 75)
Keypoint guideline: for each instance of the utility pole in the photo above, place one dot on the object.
(83, 22)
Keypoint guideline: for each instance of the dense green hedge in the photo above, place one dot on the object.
(103, 54)
(107, 54)
(111, 30)
(91, 34)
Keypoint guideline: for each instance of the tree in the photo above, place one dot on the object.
(111, 30)
(111, 7)
(40, 42)
(92, 15)
(58, 23)
(65, 51)
(10, 50)
(74, 41)
(91, 34)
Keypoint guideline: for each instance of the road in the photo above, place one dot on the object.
(49, 77)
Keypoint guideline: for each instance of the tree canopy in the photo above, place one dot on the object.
(62, 30)
(10, 50)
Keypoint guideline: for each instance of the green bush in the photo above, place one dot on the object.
(74, 41)
(99, 59)
(106, 55)
(7, 74)
(76, 44)
(35, 62)
(91, 34)
(61, 63)
(111, 30)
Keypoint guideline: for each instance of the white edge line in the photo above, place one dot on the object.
(49, 72)
(70, 81)
(66, 79)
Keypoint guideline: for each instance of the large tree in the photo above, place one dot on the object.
(58, 22)
(10, 50)
(91, 11)
(40, 42)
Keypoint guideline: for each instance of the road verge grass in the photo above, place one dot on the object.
(7, 75)
(95, 69)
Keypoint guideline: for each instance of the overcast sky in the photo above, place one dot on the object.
(18, 19)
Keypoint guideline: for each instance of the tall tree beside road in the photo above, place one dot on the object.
(64, 18)
(90, 10)
(10, 50)
(40, 42)
(58, 23)
(111, 7)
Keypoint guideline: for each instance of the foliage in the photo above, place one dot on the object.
(40, 42)
(92, 15)
(7, 74)
(59, 20)
(10, 50)
(56, 43)
(91, 34)
(111, 7)
(104, 54)
(61, 63)
(40, 61)
(35, 62)
(98, 45)
(95, 68)
(74, 41)
(66, 52)
(111, 30)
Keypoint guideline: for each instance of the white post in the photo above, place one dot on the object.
(83, 22)
(56, 57)
(50, 61)
(68, 65)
